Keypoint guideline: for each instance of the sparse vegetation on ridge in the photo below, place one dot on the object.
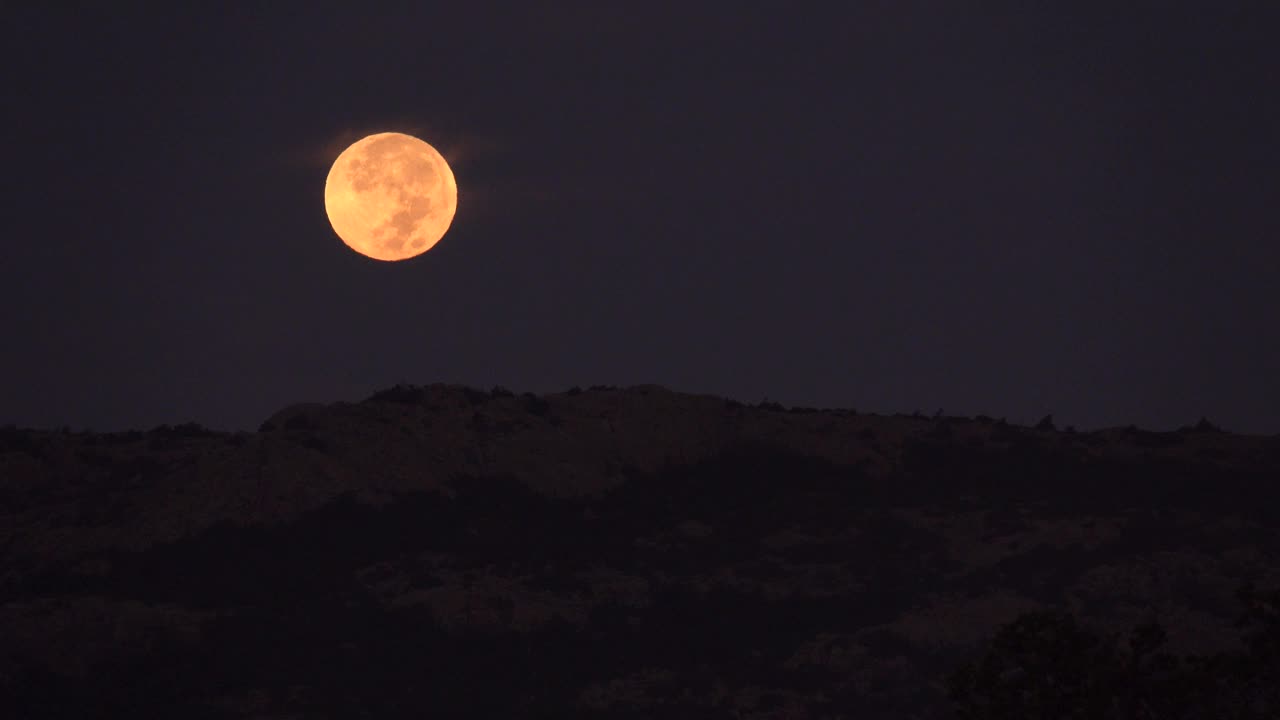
(602, 554)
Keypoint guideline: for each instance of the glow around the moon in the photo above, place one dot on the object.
(390, 196)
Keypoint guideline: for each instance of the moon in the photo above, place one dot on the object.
(390, 196)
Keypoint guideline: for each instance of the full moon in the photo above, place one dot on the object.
(390, 196)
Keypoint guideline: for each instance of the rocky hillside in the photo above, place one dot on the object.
(601, 553)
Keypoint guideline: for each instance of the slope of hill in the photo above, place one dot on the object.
(600, 553)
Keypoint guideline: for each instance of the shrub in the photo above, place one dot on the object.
(122, 438)
(941, 430)
(1158, 439)
(181, 430)
(1205, 426)
(13, 439)
(536, 405)
(404, 394)
(313, 441)
(1046, 665)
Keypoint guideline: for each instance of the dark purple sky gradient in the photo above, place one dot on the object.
(904, 206)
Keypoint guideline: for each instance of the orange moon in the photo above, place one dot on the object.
(390, 196)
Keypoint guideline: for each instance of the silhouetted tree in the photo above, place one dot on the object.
(1042, 665)
(1205, 426)
(1046, 665)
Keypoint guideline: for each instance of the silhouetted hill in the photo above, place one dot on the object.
(601, 553)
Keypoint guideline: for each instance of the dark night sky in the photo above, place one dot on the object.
(980, 207)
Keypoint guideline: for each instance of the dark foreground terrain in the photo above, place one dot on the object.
(605, 553)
